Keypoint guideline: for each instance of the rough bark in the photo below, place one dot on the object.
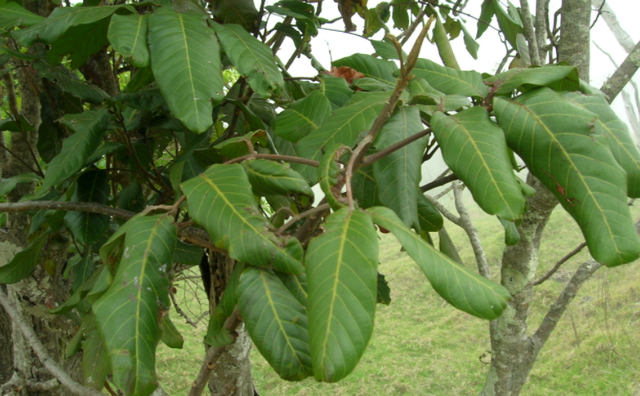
(574, 35)
(622, 75)
(511, 349)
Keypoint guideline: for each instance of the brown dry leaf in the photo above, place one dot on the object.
(346, 72)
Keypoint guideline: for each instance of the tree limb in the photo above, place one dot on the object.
(530, 33)
(47, 361)
(622, 75)
(563, 260)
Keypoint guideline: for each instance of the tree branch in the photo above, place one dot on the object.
(275, 157)
(563, 260)
(439, 182)
(370, 159)
(530, 33)
(51, 365)
(622, 75)
(445, 212)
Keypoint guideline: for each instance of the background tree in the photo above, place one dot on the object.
(145, 155)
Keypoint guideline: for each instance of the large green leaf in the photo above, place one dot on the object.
(398, 174)
(87, 228)
(562, 147)
(509, 22)
(336, 90)
(129, 314)
(270, 177)
(430, 219)
(475, 150)
(128, 36)
(486, 14)
(375, 68)
(62, 19)
(185, 61)
(95, 357)
(221, 200)
(460, 286)
(79, 42)
(89, 126)
(297, 285)
(302, 117)
(450, 81)
(365, 188)
(342, 279)
(276, 321)
(8, 184)
(620, 142)
(12, 14)
(344, 126)
(23, 262)
(505, 83)
(70, 83)
(252, 58)
(241, 12)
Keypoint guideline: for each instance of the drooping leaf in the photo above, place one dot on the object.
(400, 14)
(509, 22)
(341, 266)
(336, 90)
(90, 127)
(620, 142)
(344, 126)
(79, 42)
(70, 83)
(398, 174)
(241, 12)
(450, 81)
(62, 19)
(430, 219)
(217, 334)
(128, 36)
(302, 117)
(171, 337)
(540, 76)
(447, 246)
(87, 228)
(252, 58)
(185, 61)
(23, 262)
(276, 321)
(383, 291)
(365, 188)
(458, 285)
(372, 85)
(474, 148)
(562, 146)
(12, 14)
(270, 177)
(8, 184)
(129, 314)
(511, 234)
(331, 181)
(470, 43)
(95, 357)
(375, 68)
(445, 50)
(386, 50)
(221, 200)
(486, 15)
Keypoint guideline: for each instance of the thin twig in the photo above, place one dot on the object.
(181, 312)
(357, 153)
(47, 361)
(370, 159)
(275, 157)
(530, 33)
(302, 215)
(404, 36)
(472, 232)
(560, 262)
(445, 212)
(439, 182)
(212, 356)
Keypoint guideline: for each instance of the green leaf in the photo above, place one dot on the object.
(87, 228)
(70, 83)
(375, 68)
(620, 142)
(511, 234)
(128, 36)
(486, 14)
(185, 61)
(217, 334)
(430, 219)
(12, 14)
(7, 185)
(129, 314)
(297, 285)
(344, 126)
(505, 83)
(132, 198)
(450, 81)
(95, 357)
(221, 200)
(187, 254)
(447, 246)
(252, 58)
(61, 20)
(171, 337)
(563, 147)
(10, 125)
(146, 100)
(471, 44)
(372, 85)
(365, 188)
(400, 14)
(270, 177)
(386, 50)
(79, 42)
(23, 262)
(302, 117)
(277, 323)
(336, 90)
(398, 174)
(383, 291)
(90, 127)
(509, 25)
(241, 12)
(342, 276)
(461, 287)
(475, 150)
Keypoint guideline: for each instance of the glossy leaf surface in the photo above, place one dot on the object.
(341, 266)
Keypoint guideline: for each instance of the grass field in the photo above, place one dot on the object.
(423, 346)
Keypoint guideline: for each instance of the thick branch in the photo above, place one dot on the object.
(51, 365)
(622, 75)
(439, 182)
(530, 33)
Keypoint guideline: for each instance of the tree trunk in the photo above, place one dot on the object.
(574, 35)
(511, 349)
